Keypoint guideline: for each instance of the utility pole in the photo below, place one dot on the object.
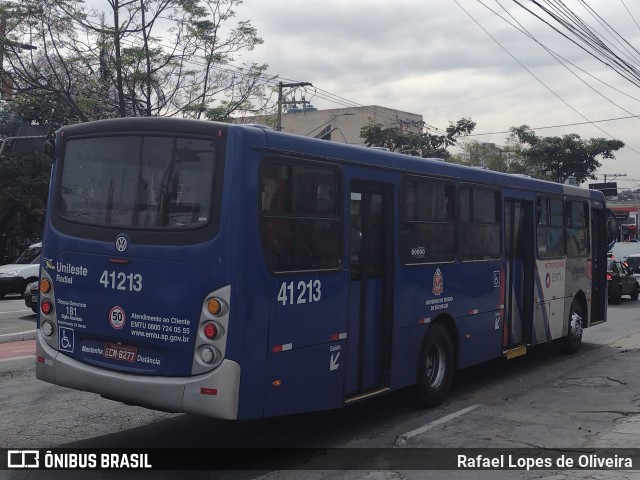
(281, 101)
(614, 175)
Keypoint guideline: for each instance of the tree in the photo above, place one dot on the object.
(558, 158)
(137, 58)
(24, 184)
(416, 141)
(482, 154)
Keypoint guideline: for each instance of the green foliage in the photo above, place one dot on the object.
(134, 58)
(477, 154)
(24, 183)
(42, 108)
(415, 140)
(558, 158)
(24, 177)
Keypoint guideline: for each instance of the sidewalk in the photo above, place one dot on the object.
(587, 407)
(17, 324)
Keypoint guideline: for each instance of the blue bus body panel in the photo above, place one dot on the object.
(308, 379)
(294, 335)
(472, 296)
(97, 305)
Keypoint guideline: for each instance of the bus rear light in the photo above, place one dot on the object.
(45, 285)
(46, 307)
(210, 347)
(609, 277)
(47, 329)
(214, 307)
(212, 331)
(209, 354)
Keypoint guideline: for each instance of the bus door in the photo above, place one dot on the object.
(600, 235)
(371, 292)
(519, 273)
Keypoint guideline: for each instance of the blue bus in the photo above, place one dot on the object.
(237, 272)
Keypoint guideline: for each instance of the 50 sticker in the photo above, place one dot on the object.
(303, 292)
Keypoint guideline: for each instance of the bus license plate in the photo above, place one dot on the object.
(120, 352)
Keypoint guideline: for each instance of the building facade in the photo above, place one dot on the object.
(341, 125)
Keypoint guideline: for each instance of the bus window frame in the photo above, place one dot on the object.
(499, 205)
(142, 234)
(586, 228)
(402, 219)
(549, 225)
(339, 216)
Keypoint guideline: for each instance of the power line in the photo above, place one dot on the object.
(590, 122)
(529, 71)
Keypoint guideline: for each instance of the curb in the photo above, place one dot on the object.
(18, 337)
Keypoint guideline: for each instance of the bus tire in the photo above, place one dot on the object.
(573, 340)
(435, 368)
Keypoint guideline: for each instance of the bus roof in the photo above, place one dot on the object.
(318, 149)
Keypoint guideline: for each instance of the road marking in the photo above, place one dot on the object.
(17, 349)
(17, 311)
(402, 439)
(2, 360)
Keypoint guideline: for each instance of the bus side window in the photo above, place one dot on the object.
(427, 228)
(550, 229)
(577, 238)
(480, 224)
(300, 217)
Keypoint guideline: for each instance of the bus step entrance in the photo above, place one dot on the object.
(513, 352)
(362, 396)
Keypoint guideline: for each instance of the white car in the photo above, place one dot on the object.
(15, 277)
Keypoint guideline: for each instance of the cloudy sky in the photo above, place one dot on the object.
(449, 59)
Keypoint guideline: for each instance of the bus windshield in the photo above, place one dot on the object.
(151, 182)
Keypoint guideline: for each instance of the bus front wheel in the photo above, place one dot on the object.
(435, 368)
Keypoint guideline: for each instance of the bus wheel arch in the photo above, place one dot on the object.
(576, 322)
(436, 362)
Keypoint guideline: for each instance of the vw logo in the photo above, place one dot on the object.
(121, 243)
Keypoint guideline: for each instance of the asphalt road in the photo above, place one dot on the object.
(544, 399)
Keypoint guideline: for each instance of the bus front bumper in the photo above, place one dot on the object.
(213, 394)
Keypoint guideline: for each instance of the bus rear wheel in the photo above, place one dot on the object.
(435, 368)
(573, 340)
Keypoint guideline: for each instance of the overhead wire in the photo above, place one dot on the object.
(529, 71)
(608, 58)
(274, 80)
(630, 14)
(557, 57)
